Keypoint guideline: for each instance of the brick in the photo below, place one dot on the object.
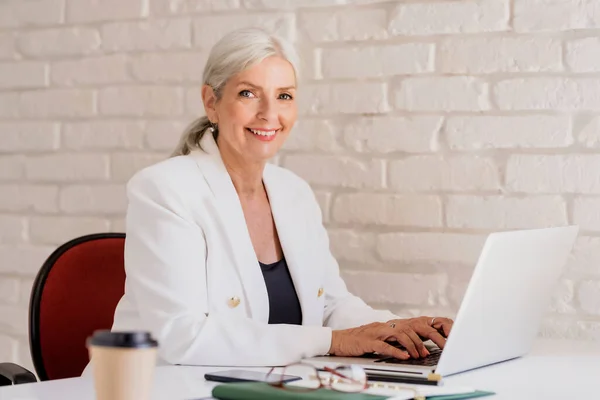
(147, 35)
(290, 4)
(91, 71)
(581, 55)
(55, 230)
(587, 130)
(23, 75)
(586, 213)
(8, 46)
(441, 94)
(12, 229)
(124, 165)
(14, 319)
(358, 62)
(164, 135)
(324, 200)
(414, 134)
(341, 98)
(23, 260)
(563, 297)
(12, 167)
(556, 94)
(32, 198)
(344, 25)
(452, 173)
(395, 288)
(588, 295)
(59, 42)
(57, 103)
(500, 212)
(9, 290)
(117, 225)
(25, 289)
(83, 11)
(169, 67)
(492, 55)
(388, 210)
(103, 135)
(179, 7)
(208, 30)
(313, 135)
(585, 257)
(67, 167)
(433, 18)
(8, 349)
(553, 328)
(19, 13)
(18, 137)
(141, 101)
(508, 132)
(9, 105)
(352, 246)
(555, 15)
(553, 174)
(430, 247)
(193, 102)
(93, 199)
(341, 171)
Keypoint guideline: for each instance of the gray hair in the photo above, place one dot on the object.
(235, 52)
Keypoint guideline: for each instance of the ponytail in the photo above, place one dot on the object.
(192, 135)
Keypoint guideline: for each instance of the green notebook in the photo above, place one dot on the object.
(264, 391)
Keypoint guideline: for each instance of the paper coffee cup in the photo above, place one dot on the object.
(123, 364)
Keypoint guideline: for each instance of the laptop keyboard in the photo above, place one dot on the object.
(429, 361)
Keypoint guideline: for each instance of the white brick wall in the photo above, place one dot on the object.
(424, 125)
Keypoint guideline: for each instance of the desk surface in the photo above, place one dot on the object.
(554, 370)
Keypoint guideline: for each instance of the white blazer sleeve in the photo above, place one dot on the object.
(166, 274)
(343, 310)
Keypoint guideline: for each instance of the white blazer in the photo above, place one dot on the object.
(193, 279)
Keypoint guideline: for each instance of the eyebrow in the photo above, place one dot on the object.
(258, 87)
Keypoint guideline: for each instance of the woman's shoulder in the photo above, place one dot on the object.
(171, 172)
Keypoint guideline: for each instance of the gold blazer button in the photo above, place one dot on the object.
(234, 302)
(321, 291)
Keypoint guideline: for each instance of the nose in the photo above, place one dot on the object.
(267, 110)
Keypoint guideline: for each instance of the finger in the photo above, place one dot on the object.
(418, 343)
(443, 326)
(408, 344)
(433, 335)
(388, 350)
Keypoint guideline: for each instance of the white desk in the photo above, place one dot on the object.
(554, 370)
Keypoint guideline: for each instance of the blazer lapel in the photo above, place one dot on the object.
(234, 224)
(293, 236)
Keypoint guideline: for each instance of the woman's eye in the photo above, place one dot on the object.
(285, 96)
(246, 93)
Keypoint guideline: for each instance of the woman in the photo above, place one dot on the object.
(226, 257)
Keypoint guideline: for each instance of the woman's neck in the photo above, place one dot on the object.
(246, 176)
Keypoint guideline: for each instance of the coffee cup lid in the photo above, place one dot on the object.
(130, 339)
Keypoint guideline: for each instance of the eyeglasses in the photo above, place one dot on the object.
(344, 378)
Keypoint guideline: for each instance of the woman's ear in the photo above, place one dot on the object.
(209, 98)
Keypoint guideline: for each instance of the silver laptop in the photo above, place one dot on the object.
(500, 314)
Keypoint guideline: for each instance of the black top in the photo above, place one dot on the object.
(283, 300)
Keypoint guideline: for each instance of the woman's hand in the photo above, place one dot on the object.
(375, 337)
(435, 329)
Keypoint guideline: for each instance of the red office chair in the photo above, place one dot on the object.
(75, 293)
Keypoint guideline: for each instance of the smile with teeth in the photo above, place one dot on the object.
(263, 132)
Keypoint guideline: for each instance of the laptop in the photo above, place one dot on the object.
(500, 314)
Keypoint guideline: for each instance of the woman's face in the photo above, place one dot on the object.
(257, 110)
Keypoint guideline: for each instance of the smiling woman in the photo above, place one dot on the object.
(226, 256)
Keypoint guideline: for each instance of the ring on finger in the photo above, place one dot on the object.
(432, 321)
(393, 325)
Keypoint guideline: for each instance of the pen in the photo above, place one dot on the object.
(398, 379)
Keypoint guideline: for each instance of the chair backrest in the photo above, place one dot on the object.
(75, 293)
